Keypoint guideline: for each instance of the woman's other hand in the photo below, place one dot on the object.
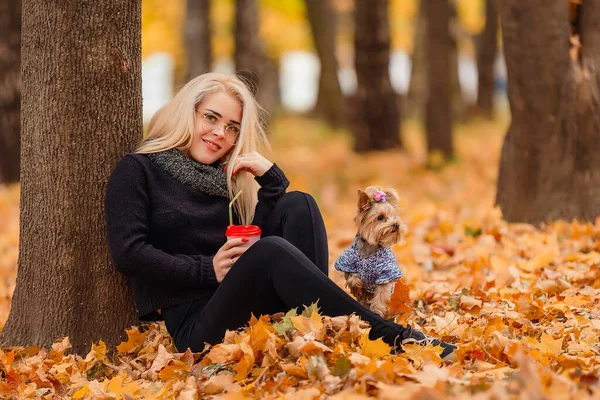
(227, 255)
(253, 162)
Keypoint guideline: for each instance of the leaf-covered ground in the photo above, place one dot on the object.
(520, 301)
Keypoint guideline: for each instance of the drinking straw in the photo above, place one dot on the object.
(231, 205)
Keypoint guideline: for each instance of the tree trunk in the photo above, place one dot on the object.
(322, 19)
(438, 115)
(550, 161)
(458, 105)
(251, 63)
(82, 110)
(197, 38)
(417, 91)
(486, 47)
(376, 125)
(10, 89)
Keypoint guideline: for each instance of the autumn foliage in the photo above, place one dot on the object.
(520, 301)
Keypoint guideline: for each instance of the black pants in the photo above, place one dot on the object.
(285, 269)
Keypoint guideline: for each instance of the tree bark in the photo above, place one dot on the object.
(377, 113)
(251, 63)
(486, 45)
(438, 114)
(198, 38)
(458, 105)
(322, 19)
(550, 160)
(10, 89)
(419, 88)
(417, 91)
(82, 110)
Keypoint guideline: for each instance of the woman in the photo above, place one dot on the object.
(167, 212)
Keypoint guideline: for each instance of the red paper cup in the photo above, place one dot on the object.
(251, 232)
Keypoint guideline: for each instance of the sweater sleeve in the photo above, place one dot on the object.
(127, 207)
(273, 185)
(348, 261)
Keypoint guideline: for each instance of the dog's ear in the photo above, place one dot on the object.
(392, 196)
(363, 200)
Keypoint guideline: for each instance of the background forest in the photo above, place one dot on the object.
(484, 115)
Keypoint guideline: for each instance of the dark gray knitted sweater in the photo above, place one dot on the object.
(164, 234)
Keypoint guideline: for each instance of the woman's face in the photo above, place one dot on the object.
(216, 128)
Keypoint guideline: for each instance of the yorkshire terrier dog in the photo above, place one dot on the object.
(369, 265)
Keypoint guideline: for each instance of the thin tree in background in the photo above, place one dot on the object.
(550, 160)
(82, 110)
(10, 89)
(418, 89)
(458, 105)
(198, 37)
(250, 59)
(438, 114)
(376, 110)
(486, 45)
(323, 23)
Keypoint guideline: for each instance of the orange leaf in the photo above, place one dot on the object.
(247, 362)
(400, 302)
(294, 370)
(175, 369)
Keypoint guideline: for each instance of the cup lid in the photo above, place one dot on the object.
(243, 230)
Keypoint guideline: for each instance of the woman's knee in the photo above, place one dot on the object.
(297, 202)
(271, 245)
(272, 251)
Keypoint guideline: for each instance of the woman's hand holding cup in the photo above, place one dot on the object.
(227, 255)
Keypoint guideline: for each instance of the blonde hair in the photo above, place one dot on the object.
(172, 126)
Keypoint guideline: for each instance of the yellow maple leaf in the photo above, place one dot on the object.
(100, 350)
(422, 355)
(316, 321)
(551, 345)
(80, 394)
(576, 301)
(541, 260)
(299, 323)
(373, 348)
(135, 339)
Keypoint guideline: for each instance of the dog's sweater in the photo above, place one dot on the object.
(374, 270)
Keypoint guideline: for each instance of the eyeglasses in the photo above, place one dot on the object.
(212, 123)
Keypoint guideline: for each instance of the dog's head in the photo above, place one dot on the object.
(377, 217)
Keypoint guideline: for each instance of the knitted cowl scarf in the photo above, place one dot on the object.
(209, 179)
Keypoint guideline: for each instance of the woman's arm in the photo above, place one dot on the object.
(273, 185)
(271, 179)
(127, 207)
